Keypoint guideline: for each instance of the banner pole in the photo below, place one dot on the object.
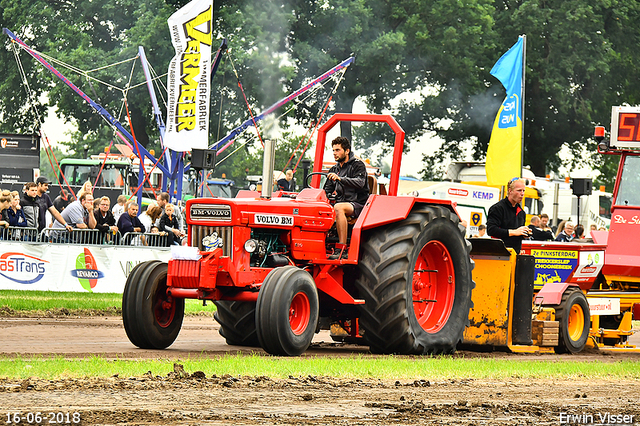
(524, 68)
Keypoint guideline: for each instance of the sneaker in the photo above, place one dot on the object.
(338, 254)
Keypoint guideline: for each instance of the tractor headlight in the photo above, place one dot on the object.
(250, 245)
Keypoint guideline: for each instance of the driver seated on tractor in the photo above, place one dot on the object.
(347, 182)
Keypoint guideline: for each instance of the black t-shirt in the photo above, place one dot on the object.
(285, 185)
(60, 203)
(502, 217)
(44, 202)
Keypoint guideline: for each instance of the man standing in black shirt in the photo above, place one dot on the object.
(537, 233)
(105, 222)
(506, 218)
(45, 205)
(348, 181)
(286, 183)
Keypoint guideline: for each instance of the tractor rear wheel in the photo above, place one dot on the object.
(152, 319)
(237, 322)
(416, 281)
(574, 321)
(287, 311)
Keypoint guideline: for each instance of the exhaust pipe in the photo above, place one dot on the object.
(267, 168)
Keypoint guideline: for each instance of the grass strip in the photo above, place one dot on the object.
(42, 301)
(357, 366)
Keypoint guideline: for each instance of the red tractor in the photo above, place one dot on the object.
(263, 260)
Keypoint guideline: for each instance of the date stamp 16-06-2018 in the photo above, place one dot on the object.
(42, 418)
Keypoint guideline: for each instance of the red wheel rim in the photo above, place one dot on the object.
(299, 313)
(433, 286)
(164, 307)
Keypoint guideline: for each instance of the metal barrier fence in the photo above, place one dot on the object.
(83, 237)
(149, 239)
(19, 233)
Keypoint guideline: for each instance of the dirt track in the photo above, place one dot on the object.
(198, 398)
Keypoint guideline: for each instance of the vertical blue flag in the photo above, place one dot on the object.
(504, 155)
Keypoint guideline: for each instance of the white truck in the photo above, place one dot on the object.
(593, 209)
(473, 201)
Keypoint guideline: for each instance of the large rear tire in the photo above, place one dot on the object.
(416, 281)
(287, 311)
(574, 321)
(151, 318)
(237, 322)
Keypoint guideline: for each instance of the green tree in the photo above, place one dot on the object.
(48, 167)
(89, 36)
(580, 62)
(400, 47)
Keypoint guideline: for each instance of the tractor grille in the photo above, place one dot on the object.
(198, 232)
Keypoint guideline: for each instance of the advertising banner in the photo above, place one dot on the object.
(189, 77)
(96, 269)
(553, 266)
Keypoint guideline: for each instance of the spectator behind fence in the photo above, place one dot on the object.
(15, 216)
(169, 223)
(30, 206)
(537, 233)
(163, 200)
(129, 221)
(87, 188)
(482, 232)
(5, 202)
(560, 227)
(62, 200)
(567, 233)
(79, 214)
(149, 217)
(45, 205)
(105, 221)
(118, 208)
(286, 183)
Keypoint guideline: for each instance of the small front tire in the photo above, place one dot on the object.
(287, 311)
(574, 321)
(152, 319)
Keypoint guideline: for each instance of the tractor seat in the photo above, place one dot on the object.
(373, 186)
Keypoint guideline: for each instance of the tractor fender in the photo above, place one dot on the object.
(551, 293)
(385, 209)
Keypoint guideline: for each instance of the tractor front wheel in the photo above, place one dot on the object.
(152, 319)
(574, 321)
(287, 311)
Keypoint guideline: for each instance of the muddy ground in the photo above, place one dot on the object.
(200, 398)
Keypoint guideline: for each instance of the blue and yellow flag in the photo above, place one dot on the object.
(504, 155)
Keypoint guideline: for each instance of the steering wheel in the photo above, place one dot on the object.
(306, 181)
